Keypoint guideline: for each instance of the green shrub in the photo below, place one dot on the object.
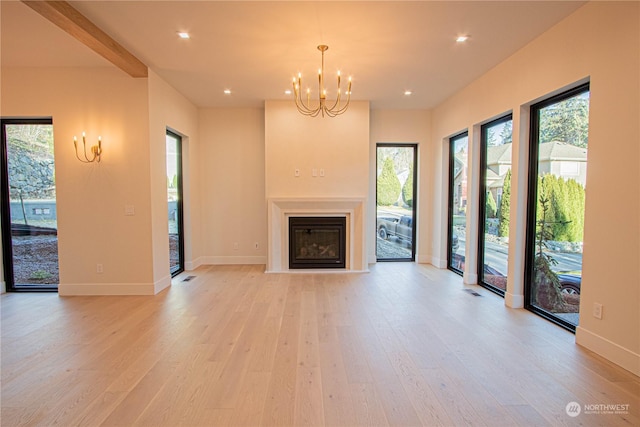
(388, 184)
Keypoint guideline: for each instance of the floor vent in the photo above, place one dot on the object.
(188, 278)
(472, 292)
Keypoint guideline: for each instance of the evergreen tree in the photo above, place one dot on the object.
(506, 135)
(490, 206)
(566, 121)
(388, 184)
(407, 188)
(505, 202)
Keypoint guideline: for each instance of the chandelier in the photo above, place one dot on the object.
(306, 108)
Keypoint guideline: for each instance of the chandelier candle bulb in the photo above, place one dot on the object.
(321, 108)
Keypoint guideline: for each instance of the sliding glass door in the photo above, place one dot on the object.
(29, 218)
(458, 160)
(395, 202)
(174, 202)
(558, 169)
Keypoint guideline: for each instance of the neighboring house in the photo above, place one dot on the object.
(559, 158)
(460, 183)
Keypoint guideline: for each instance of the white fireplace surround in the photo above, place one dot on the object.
(280, 209)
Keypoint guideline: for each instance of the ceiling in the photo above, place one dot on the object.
(255, 48)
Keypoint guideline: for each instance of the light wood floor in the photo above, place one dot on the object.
(402, 345)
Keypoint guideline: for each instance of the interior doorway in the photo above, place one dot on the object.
(396, 202)
(29, 215)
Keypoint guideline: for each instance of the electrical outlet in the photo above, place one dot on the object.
(236, 246)
(257, 246)
(99, 269)
(597, 310)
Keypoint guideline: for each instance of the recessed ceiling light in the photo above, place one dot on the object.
(407, 92)
(183, 35)
(227, 91)
(462, 39)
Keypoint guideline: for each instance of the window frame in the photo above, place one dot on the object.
(451, 192)
(532, 197)
(482, 203)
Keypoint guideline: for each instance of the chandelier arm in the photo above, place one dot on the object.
(322, 108)
(337, 103)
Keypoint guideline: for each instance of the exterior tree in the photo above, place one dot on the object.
(490, 208)
(506, 135)
(566, 121)
(407, 188)
(505, 206)
(565, 211)
(388, 184)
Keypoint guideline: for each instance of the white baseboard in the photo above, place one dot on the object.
(233, 260)
(470, 278)
(192, 265)
(617, 354)
(436, 262)
(162, 284)
(513, 301)
(77, 289)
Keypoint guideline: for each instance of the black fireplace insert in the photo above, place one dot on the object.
(317, 242)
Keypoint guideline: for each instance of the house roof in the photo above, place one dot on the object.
(555, 150)
(548, 151)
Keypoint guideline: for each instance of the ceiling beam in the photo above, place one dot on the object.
(73, 22)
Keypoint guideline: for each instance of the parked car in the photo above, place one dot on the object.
(570, 283)
(401, 227)
(31, 230)
(454, 243)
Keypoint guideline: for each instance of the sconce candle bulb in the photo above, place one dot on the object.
(96, 150)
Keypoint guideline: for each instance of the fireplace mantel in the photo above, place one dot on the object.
(279, 210)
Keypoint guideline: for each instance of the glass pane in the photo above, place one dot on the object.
(173, 197)
(458, 190)
(496, 141)
(32, 205)
(395, 207)
(562, 167)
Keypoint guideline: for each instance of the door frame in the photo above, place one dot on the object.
(415, 198)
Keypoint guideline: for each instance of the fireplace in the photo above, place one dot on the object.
(317, 242)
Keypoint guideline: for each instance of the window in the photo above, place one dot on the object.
(458, 160)
(174, 203)
(29, 221)
(555, 221)
(495, 192)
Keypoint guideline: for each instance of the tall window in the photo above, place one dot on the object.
(558, 167)
(174, 203)
(395, 200)
(458, 160)
(495, 192)
(29, 215)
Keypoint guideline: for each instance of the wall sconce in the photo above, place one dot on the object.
(96, 150)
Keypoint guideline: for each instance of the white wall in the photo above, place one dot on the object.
(599, 42)
(91, 198)
(339, 145)
(232, 186)
(402, 126)
(170, 109)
